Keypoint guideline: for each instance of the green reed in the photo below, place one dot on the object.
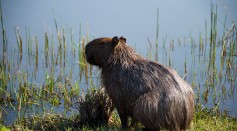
(4, 39)
(157, 36)
(64, 48)
(213, 40)
(164, 50)
(19, 44)
(46, 49)
(36, 53)
(200, 47)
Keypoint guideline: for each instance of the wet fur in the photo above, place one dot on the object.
(147, 91)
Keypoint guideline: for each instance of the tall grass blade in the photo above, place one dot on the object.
(4, 39)
(157, 35)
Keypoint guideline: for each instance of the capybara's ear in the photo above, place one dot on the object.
(115, 40)
(122, 38)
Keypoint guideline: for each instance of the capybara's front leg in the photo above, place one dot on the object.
(123, 117)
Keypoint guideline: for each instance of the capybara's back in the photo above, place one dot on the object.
(147, 91)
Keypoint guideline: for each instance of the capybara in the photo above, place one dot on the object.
(142, 89)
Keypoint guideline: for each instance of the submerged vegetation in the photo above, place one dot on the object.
(47, 84)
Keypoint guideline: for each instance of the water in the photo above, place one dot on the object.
(180, 24)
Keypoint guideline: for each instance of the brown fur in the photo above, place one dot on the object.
(147, 91)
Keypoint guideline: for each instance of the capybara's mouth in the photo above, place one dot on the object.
(91, 60)
(88, 59)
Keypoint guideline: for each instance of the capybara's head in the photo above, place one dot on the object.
(99, 50)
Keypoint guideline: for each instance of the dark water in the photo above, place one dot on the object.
(180, 25)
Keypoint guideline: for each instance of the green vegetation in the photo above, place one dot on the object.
(203, 120)
(208, 120)
(47, 85)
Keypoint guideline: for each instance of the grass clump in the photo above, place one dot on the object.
(95, 108)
